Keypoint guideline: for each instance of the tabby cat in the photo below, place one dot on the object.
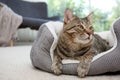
(77, 41)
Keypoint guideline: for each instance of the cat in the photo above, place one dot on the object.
(77, 41)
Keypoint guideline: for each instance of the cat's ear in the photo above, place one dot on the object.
(90, 17)
(68, 15)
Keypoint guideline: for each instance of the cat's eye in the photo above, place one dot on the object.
(91, 27)
(81, 27)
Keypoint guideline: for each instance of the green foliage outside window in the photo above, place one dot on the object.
(101, 21)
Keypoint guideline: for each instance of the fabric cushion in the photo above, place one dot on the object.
(40, 54)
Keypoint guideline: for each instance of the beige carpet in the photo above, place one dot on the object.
(15, 64)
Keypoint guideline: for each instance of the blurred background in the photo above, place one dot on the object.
(105, 11)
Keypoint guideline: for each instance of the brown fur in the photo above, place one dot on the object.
(77, 41)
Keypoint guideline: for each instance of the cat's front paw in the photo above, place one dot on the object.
(82, 72)
(56, 69)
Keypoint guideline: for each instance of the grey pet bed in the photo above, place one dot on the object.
(107, 62)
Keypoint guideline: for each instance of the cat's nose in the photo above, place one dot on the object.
(88, 32)
(88, 35)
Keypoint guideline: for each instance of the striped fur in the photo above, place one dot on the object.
(77, 41)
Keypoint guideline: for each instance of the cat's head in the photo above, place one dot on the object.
(79, 29)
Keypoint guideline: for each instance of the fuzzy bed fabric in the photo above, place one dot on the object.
(9, 22)
(105, 62)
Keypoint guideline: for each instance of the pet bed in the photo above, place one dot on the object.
(45, 43)
(15, 64)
